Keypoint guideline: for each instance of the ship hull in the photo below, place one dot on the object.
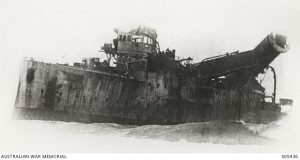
(56, 92)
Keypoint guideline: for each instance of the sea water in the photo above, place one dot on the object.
(55, 136)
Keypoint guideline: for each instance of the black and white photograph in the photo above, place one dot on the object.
(149, 76)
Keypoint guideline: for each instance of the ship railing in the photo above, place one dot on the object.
(219, 56)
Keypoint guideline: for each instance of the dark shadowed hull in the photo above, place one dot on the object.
(59, 93)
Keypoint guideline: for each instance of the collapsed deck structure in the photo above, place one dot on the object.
(140, 84)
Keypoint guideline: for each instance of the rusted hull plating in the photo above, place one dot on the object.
(55, 92)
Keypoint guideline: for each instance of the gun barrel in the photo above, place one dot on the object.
(255, 60)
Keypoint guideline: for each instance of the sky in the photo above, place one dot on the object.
(48, 30)
(66, 31)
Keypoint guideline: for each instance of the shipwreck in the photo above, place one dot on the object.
(140, 84)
